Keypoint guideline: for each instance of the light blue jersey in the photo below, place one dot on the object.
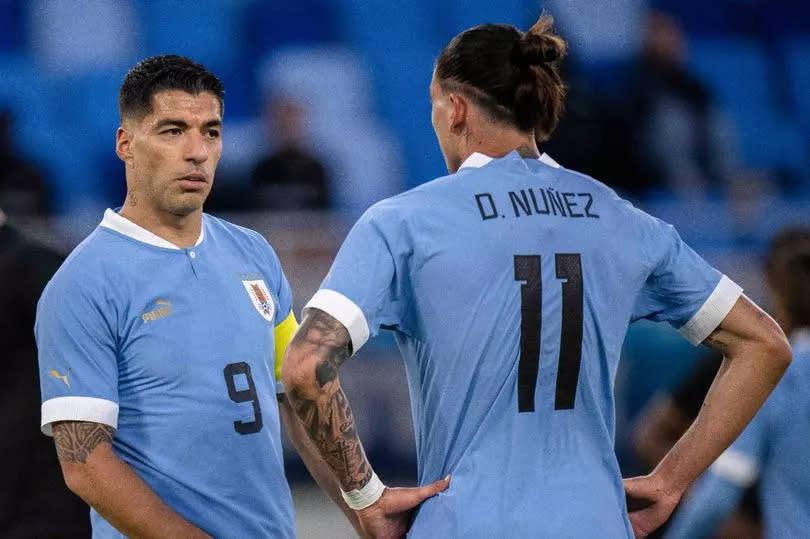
(773, 450)
(510, 286)
(175, 348)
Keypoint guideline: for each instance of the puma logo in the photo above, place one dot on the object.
(63, 377)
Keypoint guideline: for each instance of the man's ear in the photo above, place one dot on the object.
(123, 143)
(460, 108)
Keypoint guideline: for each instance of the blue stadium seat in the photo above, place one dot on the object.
(740, 75)
(797, 60)
(204, 30)
(401, 45)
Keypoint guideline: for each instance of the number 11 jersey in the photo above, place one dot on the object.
(510, 286)
(177, 350)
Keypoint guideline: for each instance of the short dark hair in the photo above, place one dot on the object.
(165, 72)
(787, 267)
(512, 75)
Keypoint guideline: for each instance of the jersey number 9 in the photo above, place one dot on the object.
(244, 395)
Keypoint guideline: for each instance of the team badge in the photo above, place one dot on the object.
(261, 298)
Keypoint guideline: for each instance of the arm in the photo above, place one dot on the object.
(93, 472)
(318, 468)
(756, 355)
(309, 372)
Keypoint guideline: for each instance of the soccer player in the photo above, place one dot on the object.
(773, 448)
(160, 338)
(510, 285)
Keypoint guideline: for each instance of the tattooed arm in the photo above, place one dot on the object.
(756, 355)
(310, 375)
(110, 486)
(317, 467)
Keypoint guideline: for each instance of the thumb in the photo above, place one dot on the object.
(635, 486)
(412, 497)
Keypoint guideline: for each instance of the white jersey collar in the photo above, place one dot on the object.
(478, 160)
(122, 225)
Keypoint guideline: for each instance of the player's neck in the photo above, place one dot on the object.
(501, 142)
(182, 231)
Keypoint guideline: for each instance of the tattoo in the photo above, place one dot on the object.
(526, 151)
(331, 339)
(76, 440)
(327, 415)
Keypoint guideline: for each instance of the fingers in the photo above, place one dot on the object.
(403, 499)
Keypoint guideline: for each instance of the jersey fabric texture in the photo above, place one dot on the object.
(176, 350)
(771, 449)
(510, 286)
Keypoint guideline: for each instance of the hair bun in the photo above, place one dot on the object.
(533, 50)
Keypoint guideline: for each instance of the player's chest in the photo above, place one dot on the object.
(185, 321)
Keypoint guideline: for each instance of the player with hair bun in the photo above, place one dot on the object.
(509, 285)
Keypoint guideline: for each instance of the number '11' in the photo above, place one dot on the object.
(568, 267)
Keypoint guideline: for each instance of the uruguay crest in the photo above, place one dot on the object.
(261, 298)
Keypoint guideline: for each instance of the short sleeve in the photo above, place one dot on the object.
(363, 289)
(78, 366)
(683, 289)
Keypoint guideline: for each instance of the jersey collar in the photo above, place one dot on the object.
(122, 225)
(478, 160)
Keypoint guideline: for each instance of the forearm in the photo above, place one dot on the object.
(748, 375)
(328, 420)
(112, 488)
(318, 468)
(310, 374)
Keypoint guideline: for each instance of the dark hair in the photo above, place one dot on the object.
(513, 76)
(787, 267)
(166, 72)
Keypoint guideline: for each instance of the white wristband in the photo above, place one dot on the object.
(358, 499)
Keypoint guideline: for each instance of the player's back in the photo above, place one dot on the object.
(522, 278)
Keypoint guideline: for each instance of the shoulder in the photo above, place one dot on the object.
(221, 228)
(244, 239)
(88, 271)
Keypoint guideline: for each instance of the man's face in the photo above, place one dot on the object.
(441, 116)
(172, 153)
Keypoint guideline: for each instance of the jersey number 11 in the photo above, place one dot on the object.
(527, 269)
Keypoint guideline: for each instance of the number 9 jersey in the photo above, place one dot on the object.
(510, 286)
(179, 350)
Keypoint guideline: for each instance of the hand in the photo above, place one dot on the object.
(390, 516)
(649, 503)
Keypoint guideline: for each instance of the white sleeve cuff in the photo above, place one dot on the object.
(344, 311)
(78, 409)
(713, 311)
(736, 467)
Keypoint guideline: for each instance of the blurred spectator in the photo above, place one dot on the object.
(22, 188)
(664, 421)
(594, 135)
(34, 501)
(291, 178)
(683, 142)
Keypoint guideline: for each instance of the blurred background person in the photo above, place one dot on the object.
(34, 501)
(664, 420)
(291, 177)
(773, 448)
(682, 141)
